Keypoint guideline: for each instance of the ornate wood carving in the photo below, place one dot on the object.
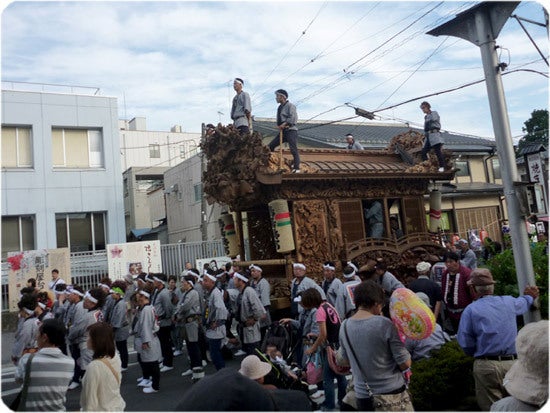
(312, 235)
(351, 189)
(260, 235)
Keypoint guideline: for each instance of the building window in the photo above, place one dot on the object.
(17, 234)
(16, 147)
(463, 168)
(154, 150)
(182, 151)
(198, 192)
(496, 169)
(81, 231)
(77, 148)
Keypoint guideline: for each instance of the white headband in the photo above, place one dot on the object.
(189, 281)
(238, 81)
(209, 276)
(329, 267)
(157, 279)
(352, 265)
(299, 265)
(29, 312)
(255, 267)
(144, 293)
(104, 286)
(42, 306)
(240, 277)
(73, 291)
(298, 299)
(89, 297)
(194, 274)
(352, 274)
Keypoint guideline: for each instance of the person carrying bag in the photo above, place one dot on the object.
(18, 405)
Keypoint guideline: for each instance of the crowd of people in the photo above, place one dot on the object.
(340, 328)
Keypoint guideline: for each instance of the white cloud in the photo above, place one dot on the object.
(173, 62)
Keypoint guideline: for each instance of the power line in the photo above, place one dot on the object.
(293, 45)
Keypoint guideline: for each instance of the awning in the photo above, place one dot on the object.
(139, 232)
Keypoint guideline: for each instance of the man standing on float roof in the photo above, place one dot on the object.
(287, 117)
(241, 108)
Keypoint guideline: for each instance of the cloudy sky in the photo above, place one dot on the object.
(173, 62)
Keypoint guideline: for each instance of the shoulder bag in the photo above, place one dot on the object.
(112, 369)
(400, 401)
(19, 403)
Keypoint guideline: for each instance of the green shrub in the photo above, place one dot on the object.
(503, 268)
(444, 381)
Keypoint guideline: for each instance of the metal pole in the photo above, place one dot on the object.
(505, 151)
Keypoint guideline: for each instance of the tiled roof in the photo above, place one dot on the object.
(370, 135)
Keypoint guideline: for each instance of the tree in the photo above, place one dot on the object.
(536, 128)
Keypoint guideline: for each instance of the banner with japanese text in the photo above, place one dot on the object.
(37, 264)
(133, 258)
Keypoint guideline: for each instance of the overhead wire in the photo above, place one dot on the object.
(293, 45)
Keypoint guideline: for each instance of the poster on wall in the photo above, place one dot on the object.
(37, 264)
(133, 258)
(215, 263)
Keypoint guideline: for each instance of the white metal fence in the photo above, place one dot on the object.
(88, 268)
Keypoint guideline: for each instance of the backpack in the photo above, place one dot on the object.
(332, 324)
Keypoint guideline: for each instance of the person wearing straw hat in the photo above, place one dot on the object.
(487, 331)
(241, 108)
(287, 117)
(214, 316)
(256, 369)
(301, 283)
(249, 312)
(146, 343)
(527, 380)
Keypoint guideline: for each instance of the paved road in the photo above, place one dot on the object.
(172, 385)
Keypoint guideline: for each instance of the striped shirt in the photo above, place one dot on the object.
(51, 372)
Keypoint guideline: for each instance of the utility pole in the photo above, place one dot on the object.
(204, 224)
(481, 25)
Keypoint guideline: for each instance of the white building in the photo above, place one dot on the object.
(61, 173)
(189, 216)
(145, 156)
(140, 147)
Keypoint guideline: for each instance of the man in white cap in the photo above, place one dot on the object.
(241, 108)
(301, 283)
(287, 117)
(215, 314)
(344, 304)
(488, 330)
(249, 312)
(527, 380)
(263, 289)
(425, 285)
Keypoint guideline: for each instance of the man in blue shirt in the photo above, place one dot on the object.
(488, 331)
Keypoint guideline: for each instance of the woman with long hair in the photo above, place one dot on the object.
(101, 383)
